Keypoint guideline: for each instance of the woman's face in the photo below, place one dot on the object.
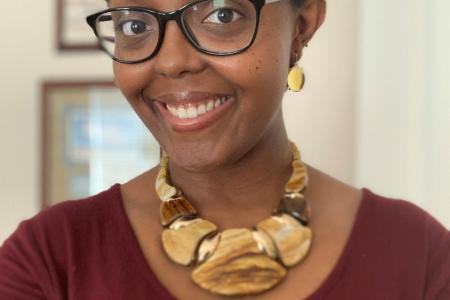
(180, 81)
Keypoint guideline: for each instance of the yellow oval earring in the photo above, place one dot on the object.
(296, 78)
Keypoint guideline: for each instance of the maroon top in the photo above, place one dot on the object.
(86, 249)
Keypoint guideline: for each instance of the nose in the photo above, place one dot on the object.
(177, 57)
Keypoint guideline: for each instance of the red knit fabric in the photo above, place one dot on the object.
(86, 249)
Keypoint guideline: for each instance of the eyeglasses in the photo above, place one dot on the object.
(216, 27)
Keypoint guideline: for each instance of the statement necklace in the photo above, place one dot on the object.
(241, 261)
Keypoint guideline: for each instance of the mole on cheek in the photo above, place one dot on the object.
(259, 64)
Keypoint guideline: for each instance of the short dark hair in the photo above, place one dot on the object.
(298, 3)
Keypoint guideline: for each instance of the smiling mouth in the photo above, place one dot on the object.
(194, 110)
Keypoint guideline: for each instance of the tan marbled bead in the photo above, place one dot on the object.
(298, 180)
(238, 266)
(164, 191)
(295, 151)
(175, 209)
(292, 239)
(181, 244)
(207, 248)
(265, 243)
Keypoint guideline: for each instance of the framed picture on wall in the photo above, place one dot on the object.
(73, 33)
(91, 139)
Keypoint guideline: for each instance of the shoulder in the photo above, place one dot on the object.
(396, 206)
(79, 213)
(411, 239)
(62, 221)
(41, 250)
(401, 214)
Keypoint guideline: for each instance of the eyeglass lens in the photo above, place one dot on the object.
(217, 26)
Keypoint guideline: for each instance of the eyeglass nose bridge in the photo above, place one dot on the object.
(177, 15)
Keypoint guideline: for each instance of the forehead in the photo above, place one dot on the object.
(165, 5)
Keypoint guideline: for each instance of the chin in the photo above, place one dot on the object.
(201, 167)
(198, 164)
(202, 159)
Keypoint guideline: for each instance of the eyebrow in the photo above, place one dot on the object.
(139, 2)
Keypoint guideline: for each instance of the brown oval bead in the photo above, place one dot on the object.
(175, 209)
(296, 205)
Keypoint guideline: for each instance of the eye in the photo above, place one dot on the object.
(134, 27)
(223, 16)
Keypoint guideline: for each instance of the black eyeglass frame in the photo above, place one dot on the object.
(164, 17)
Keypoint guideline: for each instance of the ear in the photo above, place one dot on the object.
(309, 18)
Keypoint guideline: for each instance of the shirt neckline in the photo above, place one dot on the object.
(335, 275)
(160, 290)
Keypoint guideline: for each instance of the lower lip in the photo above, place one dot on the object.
(197, 123)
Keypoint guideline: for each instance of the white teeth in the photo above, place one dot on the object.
(172, 110)
(192, 111)
(210, 105)
(201, 109)
(182, 113)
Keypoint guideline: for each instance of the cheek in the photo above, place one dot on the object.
(131, 80)
(261, 75)
(265, 65)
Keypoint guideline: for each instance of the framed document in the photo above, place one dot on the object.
(91, 139)
(73, 33)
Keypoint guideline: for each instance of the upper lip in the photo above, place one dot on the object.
(187, 97)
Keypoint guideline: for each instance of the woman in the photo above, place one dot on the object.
(207, 80)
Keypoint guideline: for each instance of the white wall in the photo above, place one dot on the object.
(436, 121)
(26, 59)
(403, 107)
(321, 118)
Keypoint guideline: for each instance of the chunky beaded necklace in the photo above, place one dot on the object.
(241, 261)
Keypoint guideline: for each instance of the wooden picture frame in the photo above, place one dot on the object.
(72, 31)
(91, 139)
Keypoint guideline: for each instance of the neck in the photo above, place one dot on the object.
(242, 193)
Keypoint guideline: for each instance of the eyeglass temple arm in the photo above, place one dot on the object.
(271, 1)
(106, 38)
(109, 18)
